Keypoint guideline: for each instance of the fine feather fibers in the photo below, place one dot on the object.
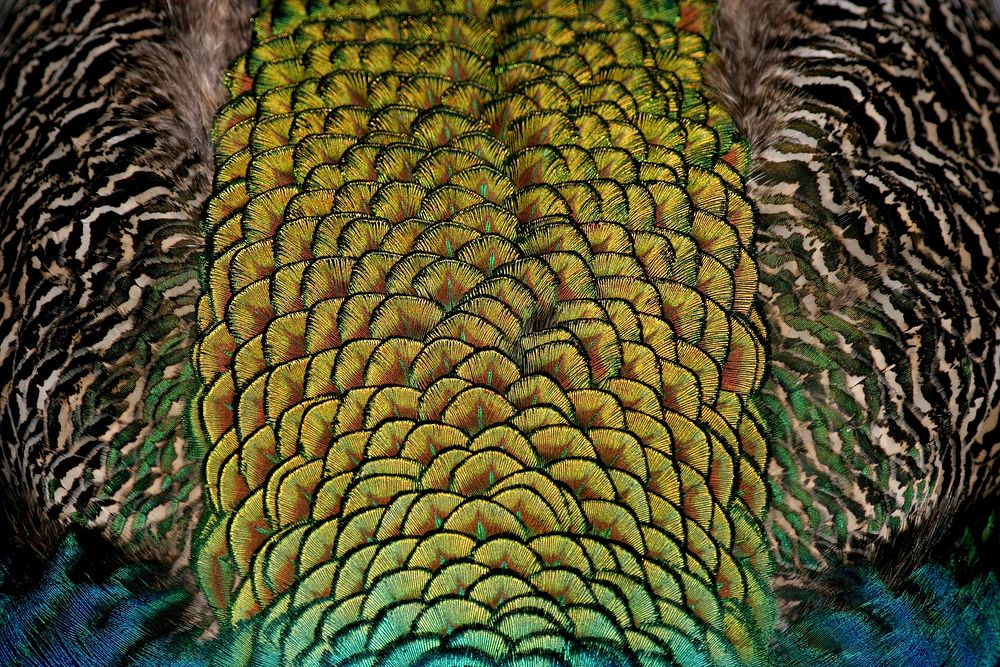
(207, 35)
(748, 74)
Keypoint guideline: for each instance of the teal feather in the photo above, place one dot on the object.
(932, 621)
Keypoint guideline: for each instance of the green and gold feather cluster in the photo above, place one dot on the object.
(477, 339)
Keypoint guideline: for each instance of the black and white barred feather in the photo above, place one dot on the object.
(106, 162)
(877, 173)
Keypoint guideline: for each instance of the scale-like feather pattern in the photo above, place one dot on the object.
(477, 339)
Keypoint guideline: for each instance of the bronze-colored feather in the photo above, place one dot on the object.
(476, 353)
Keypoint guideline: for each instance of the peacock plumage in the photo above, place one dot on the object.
(500, 333)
